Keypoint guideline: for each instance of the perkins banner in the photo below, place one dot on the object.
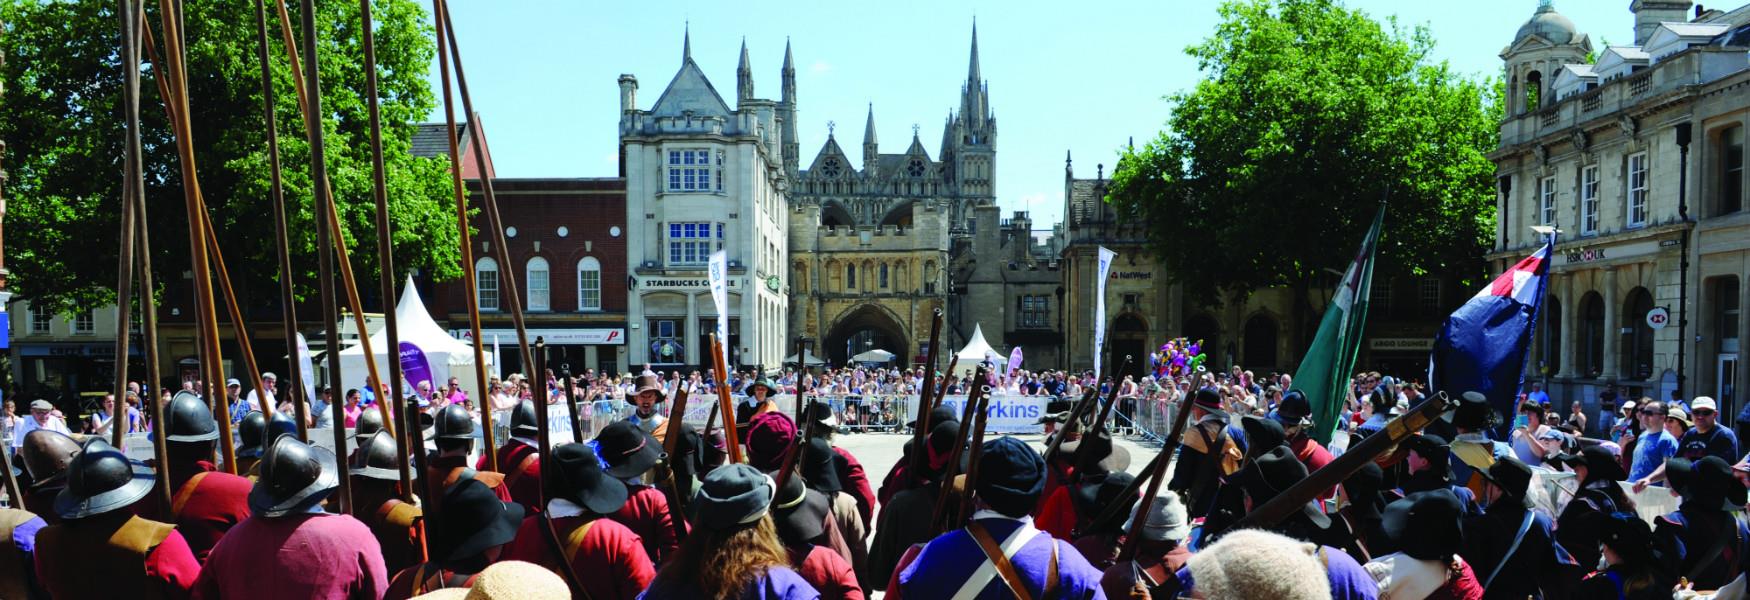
(1006, 414)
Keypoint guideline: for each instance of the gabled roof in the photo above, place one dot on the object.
(1617, 61)
(429, 139)
(691, 91)
(1572, 78)
(1672, 37)
(830, 149)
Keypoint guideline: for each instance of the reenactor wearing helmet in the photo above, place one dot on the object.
(521, 457)
(249, 440)
(375, 472)
(313, 554)
(282, 423)
(101, 549)
(454, 435)
(370, 422)
(204, 501)
(47, 455)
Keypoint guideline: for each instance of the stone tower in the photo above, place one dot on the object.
(1544, 43)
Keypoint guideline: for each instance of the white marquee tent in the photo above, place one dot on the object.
(976, 351)
(447, 355)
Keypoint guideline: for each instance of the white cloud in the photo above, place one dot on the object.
(819, 67)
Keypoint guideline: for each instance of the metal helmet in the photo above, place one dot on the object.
(376, 458)
(370, 421)
(454, 423)
(250, 434)
(102, 479)
(294, 476)
(47, 454)
(522, 418)
(281, 424)
(187, 419)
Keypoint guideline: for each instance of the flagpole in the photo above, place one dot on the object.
(1553, 233)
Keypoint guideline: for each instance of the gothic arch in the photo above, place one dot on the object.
(834, 214)
(1203, 327)
(867, 326)
(1261, 334)
(898, 214)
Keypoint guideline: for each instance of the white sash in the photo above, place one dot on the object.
(987, 570)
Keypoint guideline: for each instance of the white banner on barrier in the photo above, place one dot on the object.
(1006, 413)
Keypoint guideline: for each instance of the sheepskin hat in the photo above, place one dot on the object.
(1253, 563)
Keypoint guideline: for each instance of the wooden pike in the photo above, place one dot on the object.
(134, 21)
(466, 241)
(677, 508)
(386, 255)
(288, 310)
(724, 403)
(1354, 459)
(1156, 474)
(545, 447)
(980, 394)
(573, 403)
(968, 412)
(1111, 397)
(921, 422)
(124, 292)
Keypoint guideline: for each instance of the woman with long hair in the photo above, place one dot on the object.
(733, 552)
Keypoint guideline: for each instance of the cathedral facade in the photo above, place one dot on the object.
(872, 241)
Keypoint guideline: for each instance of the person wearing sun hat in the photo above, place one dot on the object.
(1706, 437)
(1634, 567)
(1600, 492)
(508, 580)
(1160, 554)
(320, 554)
(101, 549)
(734, 551)
(805, 526)
(628, 452)
(1704, 520)
(1010, 477)
(608, 558)
(647, 392)
(468, 535)
(1099, 541)
(757, 401)
(1511, 546)
(1427, 529)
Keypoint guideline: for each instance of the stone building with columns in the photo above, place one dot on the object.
(1638, 160)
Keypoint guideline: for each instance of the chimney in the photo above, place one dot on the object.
(1650, 13)
(628, 92)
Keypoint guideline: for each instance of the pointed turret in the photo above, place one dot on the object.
(687, 43)
(974, 104)
(787, 112)
(744, 76)
(972, 74)
(869, 140)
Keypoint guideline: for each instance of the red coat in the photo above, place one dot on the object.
(828, 572)
(646, 514)
(125, 556)
(445, 470)
(1055, 476)
(610, 562)
(1057, 516)
(213, 505)
(856, 483)
(524, 485)
(315, 555)
(1314, 456)
(424, 579)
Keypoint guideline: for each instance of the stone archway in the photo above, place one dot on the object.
(1202, 328)
(865, 327)
(1261, 334)
(1129, 338)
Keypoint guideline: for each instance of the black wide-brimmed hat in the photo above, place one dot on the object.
(820, 467)
(1092, 495)
(1680, 475)
(1714, 485)
(1629, 536)
(820, 413)
(1274, 472)
(376, 458)
(731, 496)
(1208, 399)
(799, 513)
(1431, 447)
(1097, 454)
(1509, 474)
(1474, 412)
(579, 477)
(294, 477)
(472, 521)
(102, 479)
(629, 451)
(187, 419)
(1011, 475)
(1425, 525)
(1601, 464)
(1262, 434)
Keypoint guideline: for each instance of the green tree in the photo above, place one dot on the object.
(62, 121)
(1309, 113)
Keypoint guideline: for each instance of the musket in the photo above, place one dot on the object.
(942, 385)
(921, 423)
(1111, 398)
(671, 437)
(723, 401)
(939, 517)
(572, 402)
(540, 396)
(1156, 474)
(1069, 426)
(1353, 460)
(980, 393)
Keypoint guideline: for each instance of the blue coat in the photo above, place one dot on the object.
(947, 561)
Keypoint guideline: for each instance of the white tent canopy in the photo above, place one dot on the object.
(447, 355)
(874, 356)
(813, 361)
(976, 351)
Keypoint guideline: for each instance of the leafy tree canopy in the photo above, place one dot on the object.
(62, 120)
(1271, 168)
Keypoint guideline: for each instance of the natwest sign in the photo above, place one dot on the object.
(582, 337)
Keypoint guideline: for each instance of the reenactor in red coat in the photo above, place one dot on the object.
(469, 535)
(100, 549)
(205, 502)
(454, 435)
(607, 558)
(520, 458)
(376, 502)
(629, 453)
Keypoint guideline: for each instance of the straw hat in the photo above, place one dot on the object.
(508, 580)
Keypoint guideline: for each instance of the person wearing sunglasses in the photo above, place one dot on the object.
(1652, 448)
(1706, 438)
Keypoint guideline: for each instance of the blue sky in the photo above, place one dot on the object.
(1081, 77)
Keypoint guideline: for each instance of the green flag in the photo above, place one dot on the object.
(1324, 372)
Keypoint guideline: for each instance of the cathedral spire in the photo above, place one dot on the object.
(973, 77)
(686, 42)
(974, 106)
(787, 112)
(869, 140)
(744, 76)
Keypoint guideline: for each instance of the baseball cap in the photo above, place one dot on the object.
(1702, 402)
(233, 383)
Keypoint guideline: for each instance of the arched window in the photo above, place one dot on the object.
(589, 284)
(851, 276)
(1533, 91)
(540, 296)
(884, 276)
(486, 283)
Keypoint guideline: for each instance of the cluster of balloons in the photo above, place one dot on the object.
(1176, 358)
